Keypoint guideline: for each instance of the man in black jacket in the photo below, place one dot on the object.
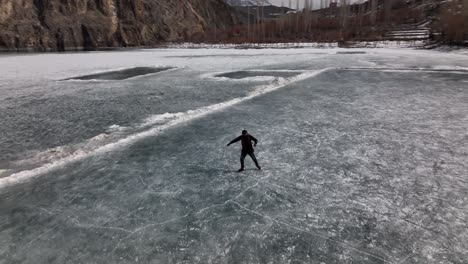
(247, 148)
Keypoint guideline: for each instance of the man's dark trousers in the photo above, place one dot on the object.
(251, 154)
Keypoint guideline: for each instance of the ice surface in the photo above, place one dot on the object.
(364, 158)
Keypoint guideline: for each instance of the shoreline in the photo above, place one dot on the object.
(412, 44)
(391, 45)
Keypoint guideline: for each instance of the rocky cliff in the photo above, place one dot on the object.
(248, 2)
(42, 25)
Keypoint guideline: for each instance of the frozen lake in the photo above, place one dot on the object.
(121, 157)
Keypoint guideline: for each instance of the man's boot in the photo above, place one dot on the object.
(258, 166)
(242, 166)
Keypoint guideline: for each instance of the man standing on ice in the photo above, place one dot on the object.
(247, 148)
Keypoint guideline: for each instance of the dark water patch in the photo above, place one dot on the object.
(351, 52)
(121, 74)
(247, 74)
(409, 69)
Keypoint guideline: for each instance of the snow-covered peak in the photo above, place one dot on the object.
(248, 2)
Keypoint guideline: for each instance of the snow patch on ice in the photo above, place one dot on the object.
(260, 79)
(159, 119)
(389, 44)
(64, 152)
(453, 50)
(55, 154)
(286, 45)
(449, 68)
(3, 172)
(116, 128)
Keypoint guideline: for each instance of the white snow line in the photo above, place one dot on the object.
(190, 115)
(455, 70)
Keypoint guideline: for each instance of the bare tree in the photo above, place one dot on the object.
(257, 23)
(297, 18)
(343, 13)
(388, 10)
(465, 9)
(360, 14)
(374, 4)
(248, 21)
(307, 15)
(263, 22)
(289, 17)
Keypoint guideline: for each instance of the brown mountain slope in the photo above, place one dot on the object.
(91, 24)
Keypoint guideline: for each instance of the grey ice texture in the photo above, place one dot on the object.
(365, 157)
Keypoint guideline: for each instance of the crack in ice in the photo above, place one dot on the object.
(42, 235)
(311, 233)
(231, 200)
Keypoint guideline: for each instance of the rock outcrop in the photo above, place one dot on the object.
(248, 2)
(59, 25)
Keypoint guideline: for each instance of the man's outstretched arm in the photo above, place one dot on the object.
(235, 140)
(254, 140)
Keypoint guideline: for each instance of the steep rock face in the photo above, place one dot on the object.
(90, 24)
